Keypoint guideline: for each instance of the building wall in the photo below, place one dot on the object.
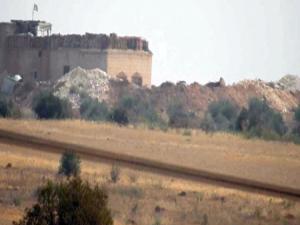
(6, 29)
(23, 61)
(85, 58)
(48, 64)
(130, 62)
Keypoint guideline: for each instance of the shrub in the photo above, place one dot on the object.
(4, 107)
(260, 120)
(91, 109)
(8, 108)
(208, 124)
(48, 106)
(72, 202)
(296, 129)
(179, 117)
(27, 113)
(115, 173)
(187, 133)
(69, 164)
(220, 115)
(17, 201)
(297, 114)
(139, 109)
(119, 116)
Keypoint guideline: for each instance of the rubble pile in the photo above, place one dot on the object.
(279, 99)
(79, 82)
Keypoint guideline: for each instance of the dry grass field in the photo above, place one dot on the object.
(145, 197)
(274, 162)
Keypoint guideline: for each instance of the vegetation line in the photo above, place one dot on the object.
(60, 147)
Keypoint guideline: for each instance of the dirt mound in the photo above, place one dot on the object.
(78, 82)
(196, 98)
(281, 100)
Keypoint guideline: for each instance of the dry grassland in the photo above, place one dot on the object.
(274, 162)
(141, 197)
(144, 197)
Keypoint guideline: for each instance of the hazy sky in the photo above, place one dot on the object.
(192, 40)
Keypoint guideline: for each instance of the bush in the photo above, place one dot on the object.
(115, 173)
(72, 202)
(48, 106)
(220, 115)
(296, 130)
(4, 107)
(139, 109)
(69, 164)
(119, 116)
(91, 109)
(179, 117)
(297, 114)
(208, 124)
(8, 108)
(260, 120)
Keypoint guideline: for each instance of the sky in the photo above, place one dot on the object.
(191, 40)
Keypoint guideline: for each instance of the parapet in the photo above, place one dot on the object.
(96, 41)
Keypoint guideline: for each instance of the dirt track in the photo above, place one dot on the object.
(39, 143)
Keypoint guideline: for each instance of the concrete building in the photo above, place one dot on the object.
(28, 48)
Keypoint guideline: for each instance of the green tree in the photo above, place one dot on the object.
(69, 164)
(91, 109)
(8, 108)
(139, 109)
(179, 116)
(72, 202)
(261, 120)
(296, 129)
(48, 106)
(119, 115)
(4, 107)
(220, 115)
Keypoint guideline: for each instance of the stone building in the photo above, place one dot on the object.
(28, 48)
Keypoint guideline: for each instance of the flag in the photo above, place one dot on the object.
(35, 8)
